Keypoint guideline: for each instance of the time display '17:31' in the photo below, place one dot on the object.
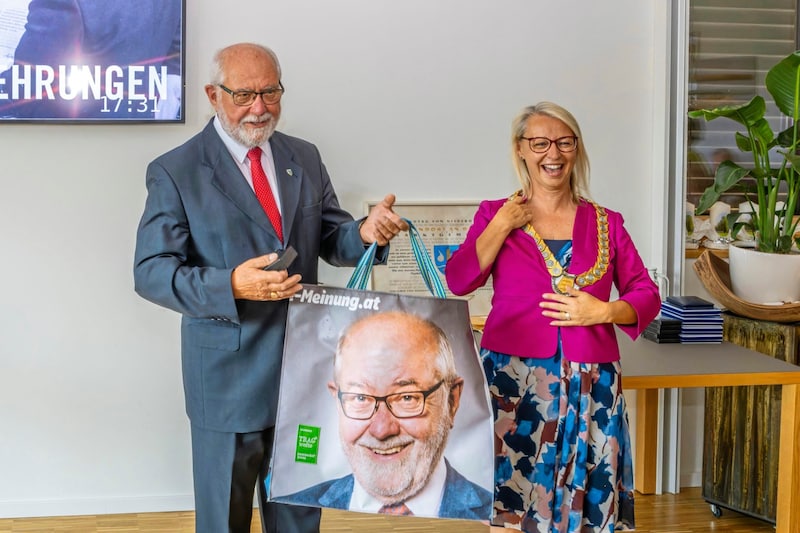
(122, 105)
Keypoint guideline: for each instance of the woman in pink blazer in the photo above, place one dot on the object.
(563, 460)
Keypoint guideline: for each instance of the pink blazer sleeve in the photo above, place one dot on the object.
(633, 282)
(462, 273)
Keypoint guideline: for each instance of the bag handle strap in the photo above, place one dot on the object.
(426, 266)
(360, 276)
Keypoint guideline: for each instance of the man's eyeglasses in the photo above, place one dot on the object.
(407, 404)
(540, 145)
(270, 95)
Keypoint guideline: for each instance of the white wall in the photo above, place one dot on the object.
(413, 97)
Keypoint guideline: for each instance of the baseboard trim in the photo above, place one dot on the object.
(96, 506)
(691, 479)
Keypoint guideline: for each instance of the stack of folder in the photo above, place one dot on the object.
(700, 320)
(663, 330)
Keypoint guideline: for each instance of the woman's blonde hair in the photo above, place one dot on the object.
(579, 180)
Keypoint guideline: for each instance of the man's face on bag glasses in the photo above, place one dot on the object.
(395, 406)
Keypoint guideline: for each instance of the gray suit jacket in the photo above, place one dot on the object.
(201, 220)
(461, 499)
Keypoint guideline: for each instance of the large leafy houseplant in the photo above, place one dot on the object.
(772, 226)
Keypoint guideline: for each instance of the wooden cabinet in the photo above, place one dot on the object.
(742, 425)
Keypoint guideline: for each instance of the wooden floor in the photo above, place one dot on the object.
(682, 513)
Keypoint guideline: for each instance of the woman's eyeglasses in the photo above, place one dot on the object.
(540, 145)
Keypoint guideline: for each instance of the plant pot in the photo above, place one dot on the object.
(762, 278)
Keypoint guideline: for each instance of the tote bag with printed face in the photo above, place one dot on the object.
(383, 407)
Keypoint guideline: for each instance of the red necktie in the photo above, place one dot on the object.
(263, 190)
(399, 509)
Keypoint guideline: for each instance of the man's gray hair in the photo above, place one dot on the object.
(217, 71)
(445, 358)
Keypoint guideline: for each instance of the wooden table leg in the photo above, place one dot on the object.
(645, 463)
(788, 504)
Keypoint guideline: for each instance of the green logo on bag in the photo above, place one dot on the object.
(307, 448)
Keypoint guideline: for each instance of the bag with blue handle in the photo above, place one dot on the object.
(427, 268)
(385, 359)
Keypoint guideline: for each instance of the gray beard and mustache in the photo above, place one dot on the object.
(397, 482)
(247, 137)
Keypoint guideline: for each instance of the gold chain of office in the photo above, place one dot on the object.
(562, 280)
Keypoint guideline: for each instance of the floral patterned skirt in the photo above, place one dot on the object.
(562, 446)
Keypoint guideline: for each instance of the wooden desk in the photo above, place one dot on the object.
(648, 366)
(694, 253)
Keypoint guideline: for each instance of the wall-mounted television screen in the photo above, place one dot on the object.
(91, 61)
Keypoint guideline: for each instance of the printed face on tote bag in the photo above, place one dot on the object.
(383, 403)
(398, 392)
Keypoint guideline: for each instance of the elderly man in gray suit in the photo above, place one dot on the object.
(217, 206)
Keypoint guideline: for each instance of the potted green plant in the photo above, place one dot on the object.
(773, 224)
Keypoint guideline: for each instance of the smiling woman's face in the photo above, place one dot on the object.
(550, 170)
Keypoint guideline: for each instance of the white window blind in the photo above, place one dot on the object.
(733, 44)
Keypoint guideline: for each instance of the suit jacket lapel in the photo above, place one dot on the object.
(339, 493)
(461, 500)
(289, 177)
(227, 177)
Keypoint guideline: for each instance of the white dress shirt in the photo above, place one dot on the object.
(425, 503)
(239, 154)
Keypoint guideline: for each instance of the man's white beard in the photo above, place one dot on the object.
(249, 137)
(394, 483)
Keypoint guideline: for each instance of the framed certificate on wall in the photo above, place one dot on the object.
(443, 227)
(91, 62)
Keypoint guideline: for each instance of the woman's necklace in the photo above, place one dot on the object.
(560, 279)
